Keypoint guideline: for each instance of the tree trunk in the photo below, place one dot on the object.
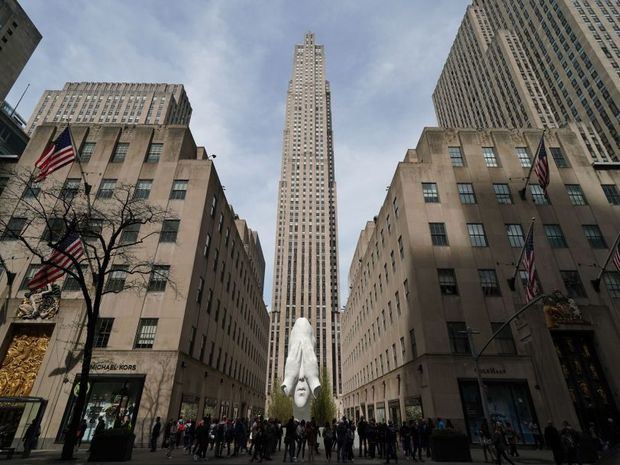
(78, 409)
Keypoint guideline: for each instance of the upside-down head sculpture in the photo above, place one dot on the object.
(301, 371)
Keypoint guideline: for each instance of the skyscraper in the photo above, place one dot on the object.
(113, 103)
(305, 280)
(536, 64)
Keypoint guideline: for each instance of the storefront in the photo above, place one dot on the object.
(413, 408)
(114, 399)
(509, 402)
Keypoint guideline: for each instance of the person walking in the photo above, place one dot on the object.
(328, 441)
(289, 440)
(155, 431)
(415, 440)
(301, 439)
(172, 437)
(511, 437)
(485, 441)
(499, 441)
(259, 439)
(362, 434)
(311, 435)
(554, 442)
(390, 443)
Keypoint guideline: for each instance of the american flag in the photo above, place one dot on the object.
(70, 247)
(542, 165)
(616, 257)
(57, 154)
(531, 285)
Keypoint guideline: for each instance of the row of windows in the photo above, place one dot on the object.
(457, 157)
(120, 152)
(503, 194)
(516, 238)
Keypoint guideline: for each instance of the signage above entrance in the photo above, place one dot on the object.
(110, 366)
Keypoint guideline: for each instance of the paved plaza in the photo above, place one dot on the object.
(143, 456)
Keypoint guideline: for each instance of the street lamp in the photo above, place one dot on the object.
(476, 355)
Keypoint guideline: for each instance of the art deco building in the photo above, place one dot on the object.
(196, 348)
(305, 280)
(435, 262)
(113, 103)
(536, 64)
(18, 39)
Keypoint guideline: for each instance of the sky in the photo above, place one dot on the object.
(235, 57)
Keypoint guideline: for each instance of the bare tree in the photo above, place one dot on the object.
(113, 225)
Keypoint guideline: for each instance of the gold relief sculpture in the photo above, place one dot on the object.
(560, 309)
(41, 304)
(22, 361)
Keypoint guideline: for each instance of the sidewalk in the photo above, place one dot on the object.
(143, 456)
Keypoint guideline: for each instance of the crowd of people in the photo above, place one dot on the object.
(261, 438)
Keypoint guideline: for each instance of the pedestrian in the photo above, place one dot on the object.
(554, 442)
(289, 440)
(362, 434)
(328, 441)
(341, 433)
(80, 432)
(172, 437)
(155, 431)
(100, 427)
(511, 437)
(301, 439)
(202, 439)
(424, 432)
(571, 442)
(499, 441)
(486, 441)
(311, 435)
(405, 439)
(390, 443)
(415, 440)
(350, 440)
(258, 444)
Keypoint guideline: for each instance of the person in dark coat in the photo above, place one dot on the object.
(328, 441)
(554, 442)
(390, 443)
(202, 438)
(500, 443)
(362, 433)
(289, 440)
(155, 433)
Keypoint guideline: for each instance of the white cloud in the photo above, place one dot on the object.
(234, 57)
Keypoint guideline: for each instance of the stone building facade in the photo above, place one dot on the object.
(435, 261)
(113, 103)
(193, 349)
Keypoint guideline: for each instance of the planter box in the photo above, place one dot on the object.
(450, 447)
(112, 446)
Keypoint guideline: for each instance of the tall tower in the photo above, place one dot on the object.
(305, 279)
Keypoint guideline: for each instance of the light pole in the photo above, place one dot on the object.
(476, 355)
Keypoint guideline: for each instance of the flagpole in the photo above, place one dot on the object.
(511, 281)
(596, 283)
(522, 192)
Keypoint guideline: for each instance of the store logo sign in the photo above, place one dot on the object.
(109, 366)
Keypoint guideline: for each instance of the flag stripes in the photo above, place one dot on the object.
(542, 165)
(70, 247)
(531, 285)
(57, 154)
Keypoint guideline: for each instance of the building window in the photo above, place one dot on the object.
(573, 284)
(538, 195)
(502, 194)
(489, 283)
(477, 236)
(524, 280)
(504, 341)
(575, 194)
(143, 189)
(130, 234)
(158, 278)
(401, 249)
(179, 189)
(106, 188)
(438, 233)
(145, 336)
(523, 157)
(515, 235)
(32, 270)
(394, 205)
(120, 152)
(611, 192)
(447, 281)
(207, 246)
(612, 280)
(430, 192)
(154, 153)
(103, 329)
(414, 345)
(201, 285)
(87, 152)
(70, 188)
(213, 207)
(32, 190)
(4, 181)
(169, 231)
(116, 278)
(466, 193)
(72, 284)
(13, 229)
(94, 229)
(489, 157)
(555, 236)
(594, 236)
(459, 343)
(456, 156)
(558, 157)
(54, 230)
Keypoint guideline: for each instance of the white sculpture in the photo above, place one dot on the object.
(301, 371)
